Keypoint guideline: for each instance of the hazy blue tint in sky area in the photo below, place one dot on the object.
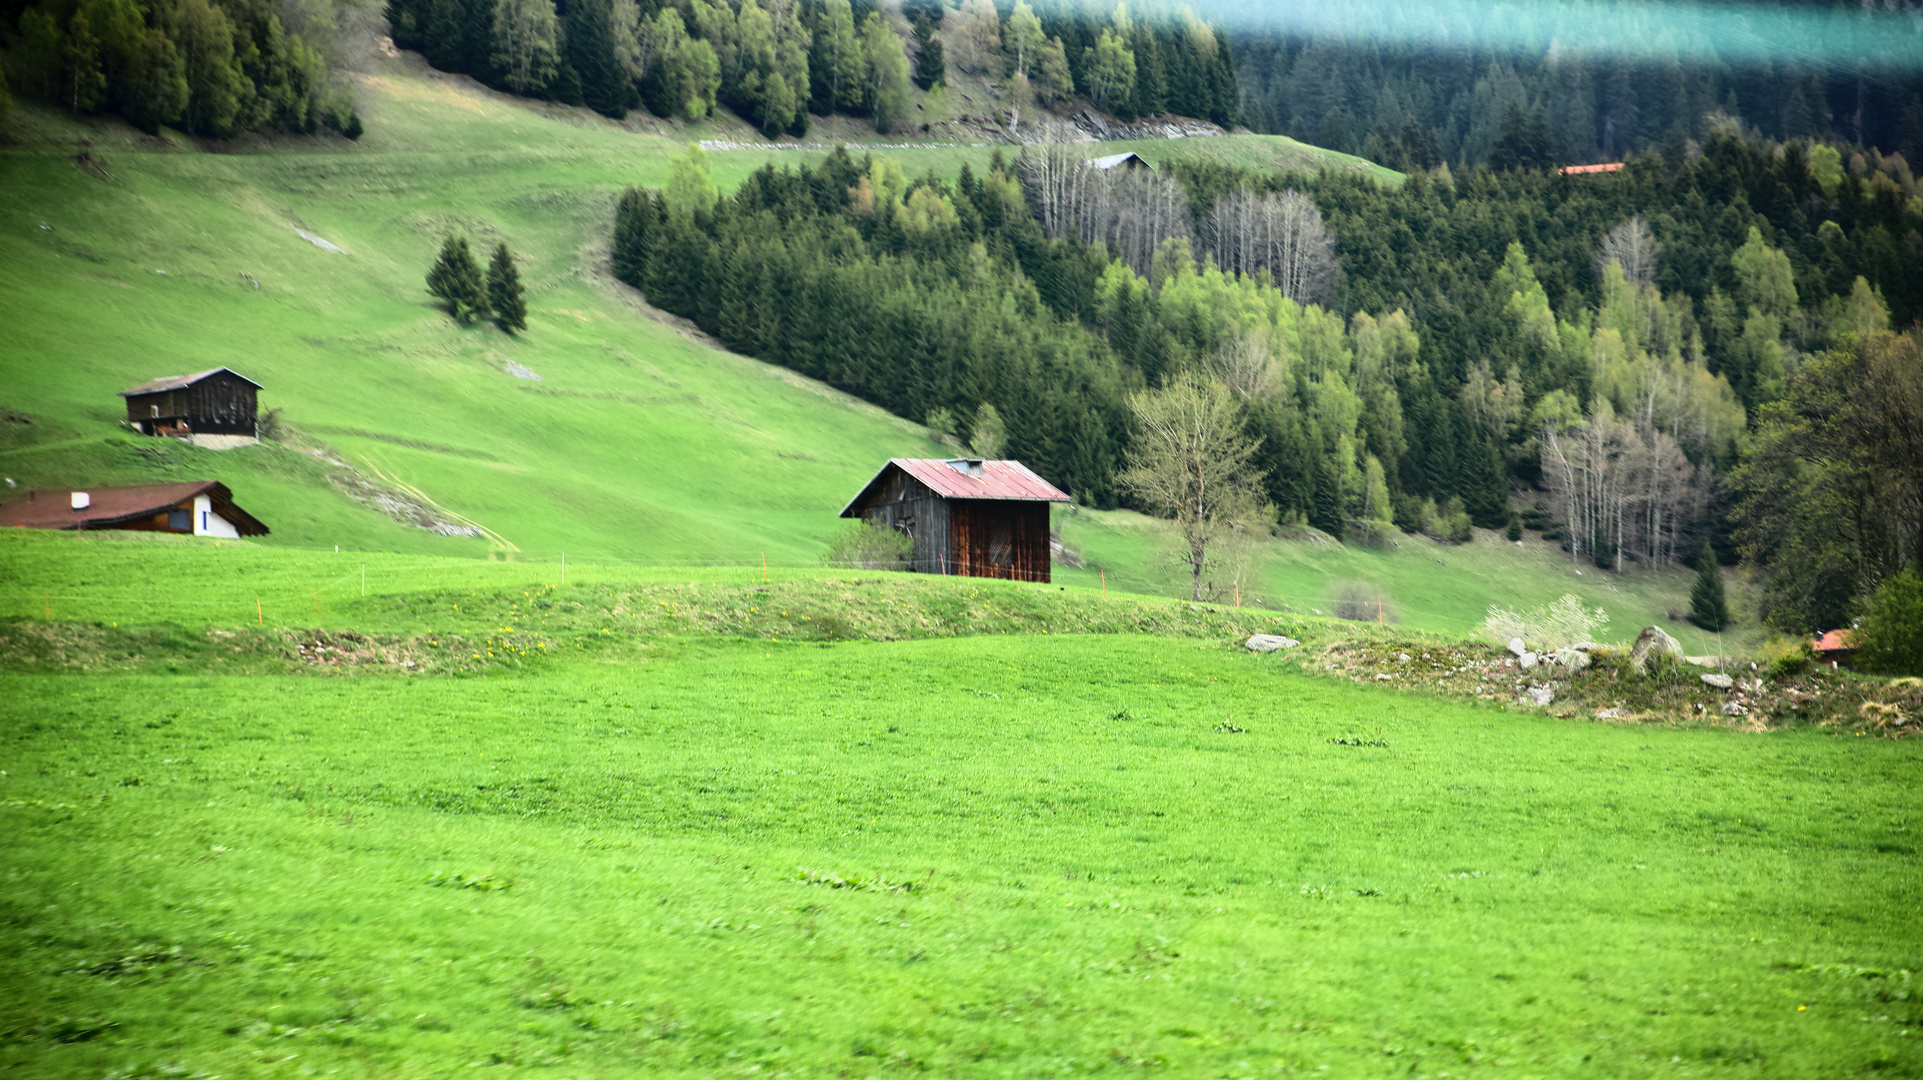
(1846, 38)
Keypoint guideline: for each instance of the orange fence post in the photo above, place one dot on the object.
(259, 618)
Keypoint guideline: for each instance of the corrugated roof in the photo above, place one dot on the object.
(1113, 160)
(1835, 641)
(112, 506)
(175, 382)
(1005, 480)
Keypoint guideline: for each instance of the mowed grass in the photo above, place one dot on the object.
(993, 856)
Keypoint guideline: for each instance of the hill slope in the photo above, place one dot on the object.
(145, 258)
(638, 442)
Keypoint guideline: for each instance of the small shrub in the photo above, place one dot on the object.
(1515, 527)
(1553, 626)
(1891, 630)
(271, 427)
(869, 545)
(1362, 602)
(1369, 532)
(1781, 657)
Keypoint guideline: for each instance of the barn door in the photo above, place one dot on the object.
(1001, 546)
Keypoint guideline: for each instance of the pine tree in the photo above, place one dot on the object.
(504, 291)
(456, 279)
(1707, 606)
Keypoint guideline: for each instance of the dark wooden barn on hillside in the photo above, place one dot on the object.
(216, 409)
(966, 516)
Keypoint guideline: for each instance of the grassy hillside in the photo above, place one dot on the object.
(640, 443)
(637, 443)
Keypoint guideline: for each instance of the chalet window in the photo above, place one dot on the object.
(180, 519)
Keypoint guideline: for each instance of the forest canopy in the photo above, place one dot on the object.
(210, 67)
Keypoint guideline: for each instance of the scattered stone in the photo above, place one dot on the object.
(1718, 680)
(1585, 646)
(1265, 643)
(1539, 695)
(1529, 660)
(1652, 639)
(1402, 658)
(1384, 676)
(1609, 714)
(1734, 708)
(1572, 659)
(1516, 646)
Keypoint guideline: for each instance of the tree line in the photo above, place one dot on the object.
(1407, 357)
(1417, 106)
(211, 67)
(775, 62)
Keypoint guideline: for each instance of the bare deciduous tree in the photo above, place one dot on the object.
(1623, 488)
(1633, 247)
(1131, 210)
(1190, 460)
(1281, 235)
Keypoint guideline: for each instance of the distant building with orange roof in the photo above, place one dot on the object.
(1577, 170)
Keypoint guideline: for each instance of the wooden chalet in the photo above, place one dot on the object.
(194, 508)
(217, 409)
(1130, 160)
(966, 516)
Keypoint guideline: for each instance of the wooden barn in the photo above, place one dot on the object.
(217, 409)
(193, 508)
(966, 516)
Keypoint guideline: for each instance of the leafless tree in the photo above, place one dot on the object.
(1623, 489)
(1131, 210)
(1632, 246)
(1281, 235)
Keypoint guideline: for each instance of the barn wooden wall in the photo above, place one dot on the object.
(907, 504)
(217, 405)
(990, 538)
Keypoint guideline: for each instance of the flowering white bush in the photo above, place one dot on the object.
(1553, 626)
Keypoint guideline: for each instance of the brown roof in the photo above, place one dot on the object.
(175, 382)
(1835, 641)
(968, 478)
(110, 506)
(1573, 170)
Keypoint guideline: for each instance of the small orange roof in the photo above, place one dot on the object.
(1835, 641)
(1574, 170)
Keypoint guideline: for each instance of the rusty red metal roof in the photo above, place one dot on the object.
(1835, 641)
(175, 382)
(110, 506)
(968, 478)
(1577, 170)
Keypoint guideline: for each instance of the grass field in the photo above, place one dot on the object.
(669, 825)
(994, 856)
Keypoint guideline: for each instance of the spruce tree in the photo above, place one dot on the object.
(456, 279)
(504, 291)
(1707, 606)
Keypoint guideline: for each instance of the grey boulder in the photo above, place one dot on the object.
(1270, 643)
(1653, 640)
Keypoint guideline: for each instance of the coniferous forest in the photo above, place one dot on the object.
(210, 67)
(1595, 351)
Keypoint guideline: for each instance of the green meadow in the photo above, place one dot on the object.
(628, 784)
(675, 822)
